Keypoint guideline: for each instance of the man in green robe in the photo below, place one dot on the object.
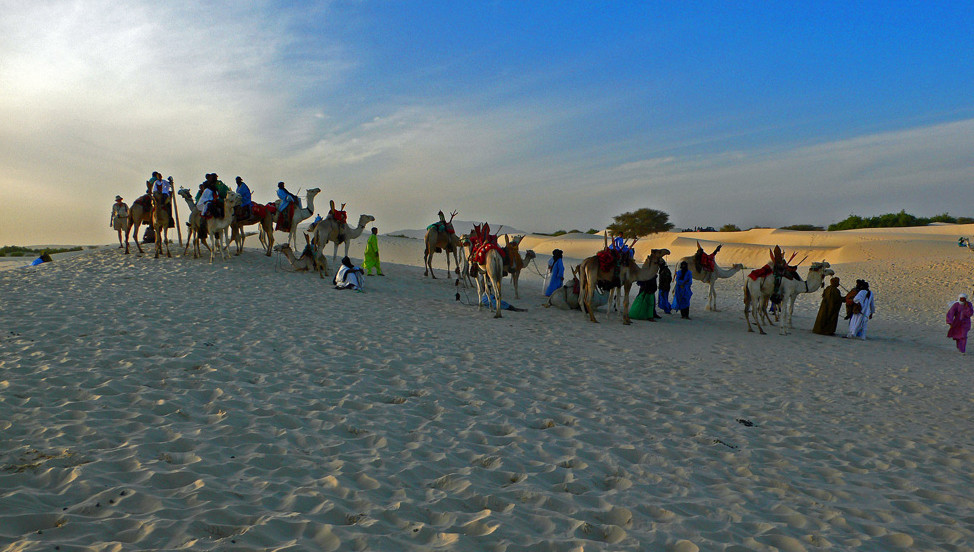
(828, 312)
(372, 254)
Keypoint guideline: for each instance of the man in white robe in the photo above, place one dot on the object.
(349, 276)
(865, 299)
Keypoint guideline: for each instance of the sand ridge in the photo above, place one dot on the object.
(172, 403)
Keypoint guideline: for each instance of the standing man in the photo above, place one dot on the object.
(828, 311)
(372, 254)
(959, 318)
(120, 215)
(664, 278)
(682, 292)
(863, 307)
(556, 272)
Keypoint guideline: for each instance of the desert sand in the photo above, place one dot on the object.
(177, 404)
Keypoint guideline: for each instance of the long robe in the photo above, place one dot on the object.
(681, 289)
(828, 311)
(372, 255)
(644, 305)
(959, 318)
(556, 270)
(857, 326)
(349, 278)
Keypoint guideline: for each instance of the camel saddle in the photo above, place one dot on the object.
(145, 202)
(442, 227)
(482, 241)
(705, 262)
(284, 219)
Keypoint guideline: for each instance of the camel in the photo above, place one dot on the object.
(758, 292)
(218, 228)
(160, 221)
(492, 272)
(708, 277)
(263, 217)
(139, 213)
(514, 263)
(592, 277)
(310, 260)
(195, 224)
(437, 241)
(300, 213)
(330, 230)
(567, 296)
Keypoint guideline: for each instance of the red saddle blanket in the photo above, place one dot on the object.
(259, 211)
(790, 273)
(608, 259)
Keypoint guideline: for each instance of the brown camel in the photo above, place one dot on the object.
(161, 221)
(629, 272)
(441, 237)
(139, 213)
(310, 260)
(513, 262)
(261, 215)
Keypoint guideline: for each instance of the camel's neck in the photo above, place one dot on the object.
(357, 231)
(727, 272)
(192, 204)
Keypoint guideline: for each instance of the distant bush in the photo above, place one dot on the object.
(803, 228)
(730, 228)
(894, 220)
(18, 251)
(592, 231)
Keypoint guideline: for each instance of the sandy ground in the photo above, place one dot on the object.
(176, 404)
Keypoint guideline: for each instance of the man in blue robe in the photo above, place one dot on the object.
(556, 272)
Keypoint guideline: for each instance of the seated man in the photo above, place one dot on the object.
(286, 209)
(246, 202)
(349, 276)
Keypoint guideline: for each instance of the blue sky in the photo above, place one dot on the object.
(539, 115)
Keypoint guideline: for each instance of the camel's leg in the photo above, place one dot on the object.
(480, 296)
(168, 254)
(269, 236)
(456, 261)
(514, 276)
(588, 289)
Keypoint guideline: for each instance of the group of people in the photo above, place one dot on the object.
(859, 302)
(644, 305)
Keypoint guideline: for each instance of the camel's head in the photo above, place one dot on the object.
(313, 191)
(232, 200)
(528, 256)
(185, 193)
(365, 219)
(822, 268)
(737, 266)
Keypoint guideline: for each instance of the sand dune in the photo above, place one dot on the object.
(171, 403)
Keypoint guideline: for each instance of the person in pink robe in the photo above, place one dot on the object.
(959, 318)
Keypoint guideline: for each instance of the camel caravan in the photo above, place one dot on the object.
(220, 217)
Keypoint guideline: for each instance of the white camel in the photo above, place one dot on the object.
(301, 213)
(710, 278)
(757, 293)
(491, 271)
(219, 228)
(195, 224)
(330, 230)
